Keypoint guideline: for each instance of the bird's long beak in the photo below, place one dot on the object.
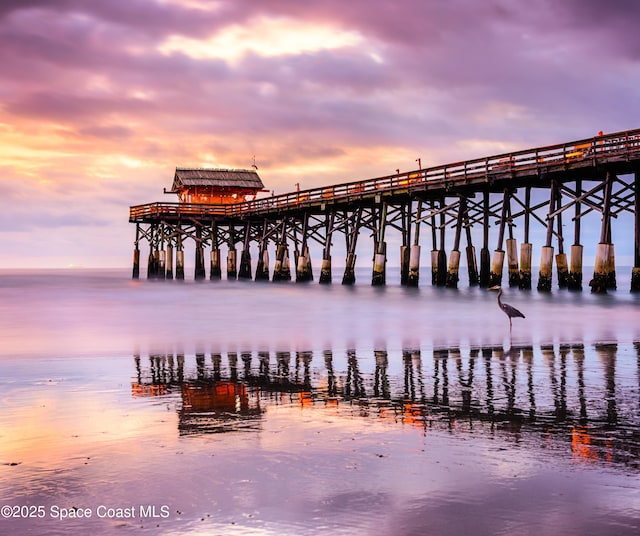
(496, 287)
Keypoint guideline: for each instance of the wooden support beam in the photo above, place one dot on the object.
(635, 273)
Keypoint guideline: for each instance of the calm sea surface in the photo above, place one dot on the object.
(246, 408)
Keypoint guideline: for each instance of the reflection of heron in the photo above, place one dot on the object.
(509, 310)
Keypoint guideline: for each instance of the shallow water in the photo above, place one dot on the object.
(250, 408)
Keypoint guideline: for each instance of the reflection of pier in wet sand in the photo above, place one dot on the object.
(546, 396)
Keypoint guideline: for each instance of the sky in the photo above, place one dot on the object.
(100, 101)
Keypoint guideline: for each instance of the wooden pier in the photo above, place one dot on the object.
(498, 199)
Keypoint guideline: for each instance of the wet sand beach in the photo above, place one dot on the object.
(247, 408)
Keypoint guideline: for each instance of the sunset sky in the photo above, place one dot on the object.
(100, 100)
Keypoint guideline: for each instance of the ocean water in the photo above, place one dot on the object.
(241, 407)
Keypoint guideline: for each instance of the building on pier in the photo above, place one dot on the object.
(215, 186)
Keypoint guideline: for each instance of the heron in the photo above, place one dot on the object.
(508, 310)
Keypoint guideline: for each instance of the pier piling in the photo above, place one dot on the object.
(304, 270)
(136, 263)
(325, 268)
(635, 273)
(215, 269)
(485, 256)
(574, 281)
(604, 270)
(512, 262)
(169, 262)
(413, 277)
(379, 264)
(545, 278)
(378, 277)
(414, 266)
(526, 254)
(180, 265)
(245, 255)
(349, 277)
(262, 265)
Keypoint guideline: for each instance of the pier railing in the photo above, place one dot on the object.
(616, 147)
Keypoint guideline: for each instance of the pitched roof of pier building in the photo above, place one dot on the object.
(200, 185)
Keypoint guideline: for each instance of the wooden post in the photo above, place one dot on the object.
(434, 247)
(574, 281)
(245, 256)
(526, 248)
(546, 262)
(151, 262)
(179, 257)
(454, 258)
(304, 270)
(136, 263)
(169, 262)
(453, 269)
(511, 247)
(136, 255)
(441, 279)
(561, 258)
(180, 265)
(232, 255)
(199, 269)
(611, 277)
(262, 264)
(325, 269)
(635, 273)
(303, 264)
(526, 256)
(414, 255)
(404, 265)
(262, 269)
(604, 254)
(199, 273)
(351, 237)
(378, 277)
(161, 265)
(512, 262)
(282, 270)
(497, 264)
(349, 276)
(215, 270)
(406, 240)
(160, 255)
(472, 264)
(485, 270)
